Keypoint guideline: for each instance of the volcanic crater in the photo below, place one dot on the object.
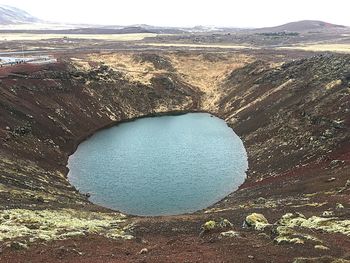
(291, 110)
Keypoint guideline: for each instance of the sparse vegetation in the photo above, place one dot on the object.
(47, 225)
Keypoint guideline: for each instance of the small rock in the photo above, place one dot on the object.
(78, 252)
(321, 247)
(18, 245)
(143, 251)
(347, 183)
(260, 200)
(337, 162)
(6, 217)
(230, 233)
(223, 223)
(339, 206)
(327, 213)
(251, 257)
(127, 237)
(332, 179)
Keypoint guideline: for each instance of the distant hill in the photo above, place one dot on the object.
(303, 26)
(95, 30)
(104, 30)
(146, 29)
(16, 20)
(12, 15)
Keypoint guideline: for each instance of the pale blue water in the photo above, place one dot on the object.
(161, 165)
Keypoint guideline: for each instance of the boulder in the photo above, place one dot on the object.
(229, 234)
(257, 221)
(209, 225)
(143, 251)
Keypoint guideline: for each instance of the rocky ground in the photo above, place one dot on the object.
(291, 109)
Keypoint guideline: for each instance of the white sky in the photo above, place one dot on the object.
(236, 13)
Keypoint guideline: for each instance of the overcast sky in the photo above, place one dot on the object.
(236, 13)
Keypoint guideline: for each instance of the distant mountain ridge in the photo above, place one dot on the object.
(11, 18)
(303, 26)
(13, 15)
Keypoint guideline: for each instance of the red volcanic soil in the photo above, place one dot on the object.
(183, 248)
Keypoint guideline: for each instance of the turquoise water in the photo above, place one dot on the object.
(160, 166)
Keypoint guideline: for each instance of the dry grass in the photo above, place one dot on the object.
(207, 74)
(125, 62)
(203, 71)
(110, 37)
(200, 45)
(341, 48)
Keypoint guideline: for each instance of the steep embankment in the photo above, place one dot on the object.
(293, 118)
(47, 110)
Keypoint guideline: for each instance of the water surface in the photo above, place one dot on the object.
(160, 165)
